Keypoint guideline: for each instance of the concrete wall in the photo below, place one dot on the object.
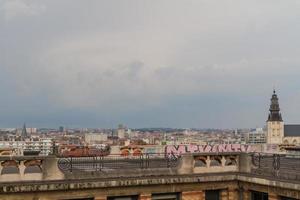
(48, 169)
(191, 181)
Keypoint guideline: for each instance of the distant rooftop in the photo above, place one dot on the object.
(292, 130)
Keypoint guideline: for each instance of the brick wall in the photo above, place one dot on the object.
(229, 194)
(193, 195)
(101, 197)
(273, 196)
(145, 196)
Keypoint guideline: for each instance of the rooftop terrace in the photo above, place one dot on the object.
(44, 174)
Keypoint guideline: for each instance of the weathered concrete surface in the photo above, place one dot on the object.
(186, 165)
(123, 188)
(51, 170)
(273, 183)
(244, 163)
(111, 182)
(133, 186)
(127, 173)
(284, 188)
(190, 181)
(216, 169)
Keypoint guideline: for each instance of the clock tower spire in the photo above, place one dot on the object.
(274, 123)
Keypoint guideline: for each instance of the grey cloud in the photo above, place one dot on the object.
(169, 62)
(20, 8)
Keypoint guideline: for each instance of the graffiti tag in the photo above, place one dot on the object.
(181, 149)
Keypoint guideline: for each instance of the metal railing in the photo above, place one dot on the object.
(282, 166)
(116, 162)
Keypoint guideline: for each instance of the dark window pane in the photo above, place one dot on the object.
(133, 197)
(165, 196)
(212, 194)
(258, 195)
(287, 198)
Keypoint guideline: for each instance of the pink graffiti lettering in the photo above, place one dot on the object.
(192, 148)
(174, 149)
(181, 149)
(222, 148)
(207, 148)
(236, 147)
(214, 148)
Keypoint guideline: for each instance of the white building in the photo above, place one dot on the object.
(256, 137)
(43, 145)
(129, 133)
(92, 138)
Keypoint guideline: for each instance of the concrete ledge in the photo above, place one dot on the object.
(132, 173)
(272, 182)
(39, 186)
(77, 184)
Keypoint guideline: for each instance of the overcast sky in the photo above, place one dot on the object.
(168, 63)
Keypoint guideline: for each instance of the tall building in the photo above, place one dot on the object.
(121, 131)
(61, 129)
(277, 131)
(275, 126)
(24, 133)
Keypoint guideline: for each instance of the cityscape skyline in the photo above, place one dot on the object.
(201, 64)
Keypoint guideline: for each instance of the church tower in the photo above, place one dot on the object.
(274, 123)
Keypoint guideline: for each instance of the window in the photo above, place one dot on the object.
(166, 196)
(89, 198)
(212, 194)
(259, 195)
(134, 197)
(286, 198)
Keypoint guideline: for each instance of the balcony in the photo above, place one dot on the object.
(241, 171)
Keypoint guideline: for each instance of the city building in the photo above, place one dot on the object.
(61, 129)
(121, 132)
(256, 137)
(42, 146)
(94, 138)
(277, 131)
(25, 132)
